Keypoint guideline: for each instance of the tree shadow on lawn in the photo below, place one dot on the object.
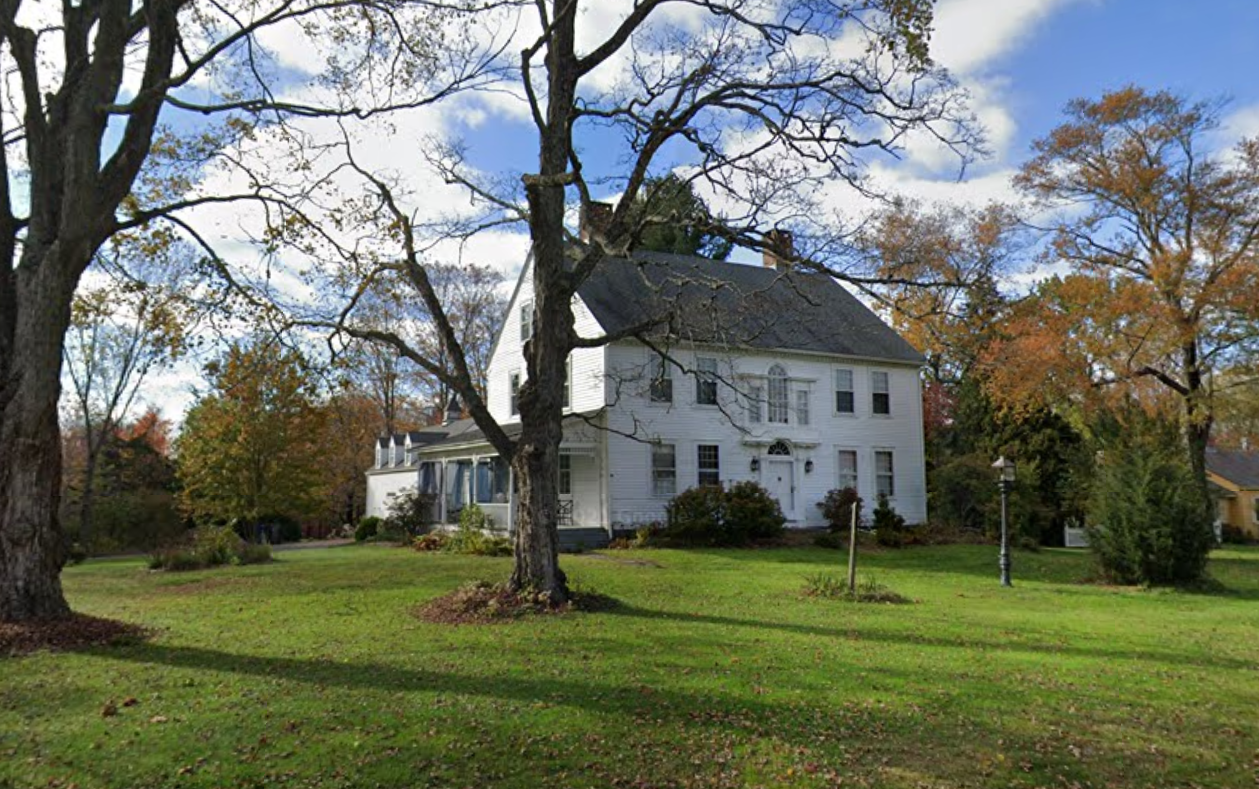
(806, 723)
(719, 709)
(864, 633)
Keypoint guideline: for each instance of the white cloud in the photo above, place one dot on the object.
(971, 34)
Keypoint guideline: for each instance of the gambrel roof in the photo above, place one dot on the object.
(704, 301)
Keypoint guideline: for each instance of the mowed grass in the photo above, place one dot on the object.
(713, 671)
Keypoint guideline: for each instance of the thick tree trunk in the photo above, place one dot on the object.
(32, 547)
(536, 460)
(1198, 420)
(537, 566)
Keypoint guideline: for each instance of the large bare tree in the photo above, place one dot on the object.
(764, 107)
(79, 126)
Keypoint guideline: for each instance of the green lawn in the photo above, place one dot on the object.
(714, 671)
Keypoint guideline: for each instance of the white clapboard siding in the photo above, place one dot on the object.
(587, 363)
(384, 483)
(687, 425)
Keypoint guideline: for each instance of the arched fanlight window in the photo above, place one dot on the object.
(779, 448)
(778, 394)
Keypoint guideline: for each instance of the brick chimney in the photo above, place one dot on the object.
(595, 218)
(779, 247)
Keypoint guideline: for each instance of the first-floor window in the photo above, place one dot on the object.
(664, 470)
(513, 388)
(709, 464)
(847, 469)
(884, 474)
(566, 475)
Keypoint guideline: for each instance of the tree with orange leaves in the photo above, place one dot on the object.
(1162, 239)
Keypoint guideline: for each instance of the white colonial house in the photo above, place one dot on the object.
(750, 373)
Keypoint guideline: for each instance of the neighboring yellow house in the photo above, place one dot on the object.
(1235, 476)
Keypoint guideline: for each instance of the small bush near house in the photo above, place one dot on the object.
(411, 512)
(754, 512)
(837, 509)
(648, 535)
(471, 537)
(710, 515)
(889, 526)
(433, 541)
(209, 546)
(1147, 523)
(697, 516)
(368, 526)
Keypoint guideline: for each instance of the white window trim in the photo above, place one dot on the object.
(890, 410)
(875, 473)
(700, 380)
(651, 469)
(852, 371)
(513, 397)
(699, 468)
(666, 368)
(526, 319)
(856, 456)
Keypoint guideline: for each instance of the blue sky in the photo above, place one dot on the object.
(1028, 58)
(1023, 60)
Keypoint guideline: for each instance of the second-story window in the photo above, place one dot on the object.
(513, 392)
(754, 397)
(777, 394)
(845, 397)
(802, 406)
(526, 321)
(706, 381)
(881, 395)
(661, 379)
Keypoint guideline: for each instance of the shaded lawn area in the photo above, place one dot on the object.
(714, 671)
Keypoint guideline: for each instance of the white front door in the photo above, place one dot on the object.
(780, 481)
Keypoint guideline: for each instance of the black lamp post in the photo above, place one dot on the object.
(1005, 471)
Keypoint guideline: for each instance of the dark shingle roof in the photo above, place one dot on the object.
(1239, 468)
(710, 302)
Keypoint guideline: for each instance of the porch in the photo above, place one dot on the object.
(485, 479)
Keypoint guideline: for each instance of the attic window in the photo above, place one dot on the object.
(526, 321)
